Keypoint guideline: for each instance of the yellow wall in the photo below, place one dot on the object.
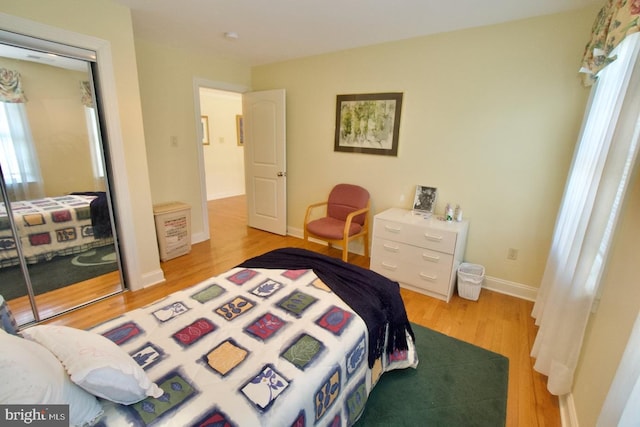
(610, 327)
(490, 117)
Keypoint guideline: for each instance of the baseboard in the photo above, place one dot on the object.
(510, 288)
(199, 237)
(295, 232)
(568, 415)
(152, 278)
(224, 195)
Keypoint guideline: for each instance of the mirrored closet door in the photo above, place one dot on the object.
(58, 243)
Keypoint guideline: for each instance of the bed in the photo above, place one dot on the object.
(54, 226)
(271, 342)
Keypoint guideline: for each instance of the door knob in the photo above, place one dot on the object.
(282, 174)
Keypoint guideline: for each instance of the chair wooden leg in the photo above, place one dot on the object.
(366, 245)
(345, 252)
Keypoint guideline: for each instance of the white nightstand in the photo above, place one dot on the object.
(421, 254)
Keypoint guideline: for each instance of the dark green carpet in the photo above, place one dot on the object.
(59, 272)
(455, 384)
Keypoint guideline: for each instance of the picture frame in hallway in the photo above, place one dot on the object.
(204, 121)
(368, 123)
(240, 129)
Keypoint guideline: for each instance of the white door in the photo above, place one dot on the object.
(265, 159)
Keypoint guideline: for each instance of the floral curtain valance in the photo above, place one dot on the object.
(616, 20)
(11, 87)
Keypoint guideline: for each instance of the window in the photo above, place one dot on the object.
(604, 158)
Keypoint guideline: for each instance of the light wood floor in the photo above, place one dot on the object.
(496, 322)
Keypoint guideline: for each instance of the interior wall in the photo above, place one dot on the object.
(223, 156)
(609, 328)
(490, 118)
(170, 125)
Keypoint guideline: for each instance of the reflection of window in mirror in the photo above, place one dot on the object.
(18, 158)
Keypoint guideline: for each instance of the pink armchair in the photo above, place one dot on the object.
(347, 218)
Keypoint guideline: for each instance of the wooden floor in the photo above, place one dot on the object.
(496, 322)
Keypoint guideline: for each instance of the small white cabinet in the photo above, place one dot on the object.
(422, 254)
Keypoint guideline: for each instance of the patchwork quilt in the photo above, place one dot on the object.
(251, 347)
(48, 227)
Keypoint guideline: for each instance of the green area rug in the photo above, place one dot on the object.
(455, 384)
(59, 272)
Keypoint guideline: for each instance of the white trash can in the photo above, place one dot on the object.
(173, 226)
(470, 278)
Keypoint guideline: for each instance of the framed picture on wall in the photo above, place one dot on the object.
(204, 121)
(240, 129)
(368, 123)
(425, 199)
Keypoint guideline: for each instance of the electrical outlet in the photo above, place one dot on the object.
(512, 254)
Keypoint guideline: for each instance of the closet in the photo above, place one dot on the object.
(58, 242)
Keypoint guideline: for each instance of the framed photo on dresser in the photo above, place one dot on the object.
(425, 199)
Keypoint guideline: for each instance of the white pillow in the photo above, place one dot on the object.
(96, 363)
(31, 375)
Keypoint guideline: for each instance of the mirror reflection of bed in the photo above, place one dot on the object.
(54, 174)
(69, 249)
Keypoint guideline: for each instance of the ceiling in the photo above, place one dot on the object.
(276, 30)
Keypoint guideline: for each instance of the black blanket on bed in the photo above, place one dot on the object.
(99, 208)
(375, 298)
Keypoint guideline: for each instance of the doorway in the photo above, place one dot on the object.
(263, 124)
(222, 144)
(200, 84)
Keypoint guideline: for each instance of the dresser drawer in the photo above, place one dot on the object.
(431, 238)
(419, 267)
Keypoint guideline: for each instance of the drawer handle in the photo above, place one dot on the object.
(389, 266)
(433, 237)
(392, 229)
(427, 277)
(391, 248)
(432, 258)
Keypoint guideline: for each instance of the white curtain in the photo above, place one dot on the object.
(91, 119)
(95, 148)
(605, 154)
(19, 160)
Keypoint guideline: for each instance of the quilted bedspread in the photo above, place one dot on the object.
(48, 227)
(250, 347)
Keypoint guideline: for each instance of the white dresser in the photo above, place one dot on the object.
(421, 254)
